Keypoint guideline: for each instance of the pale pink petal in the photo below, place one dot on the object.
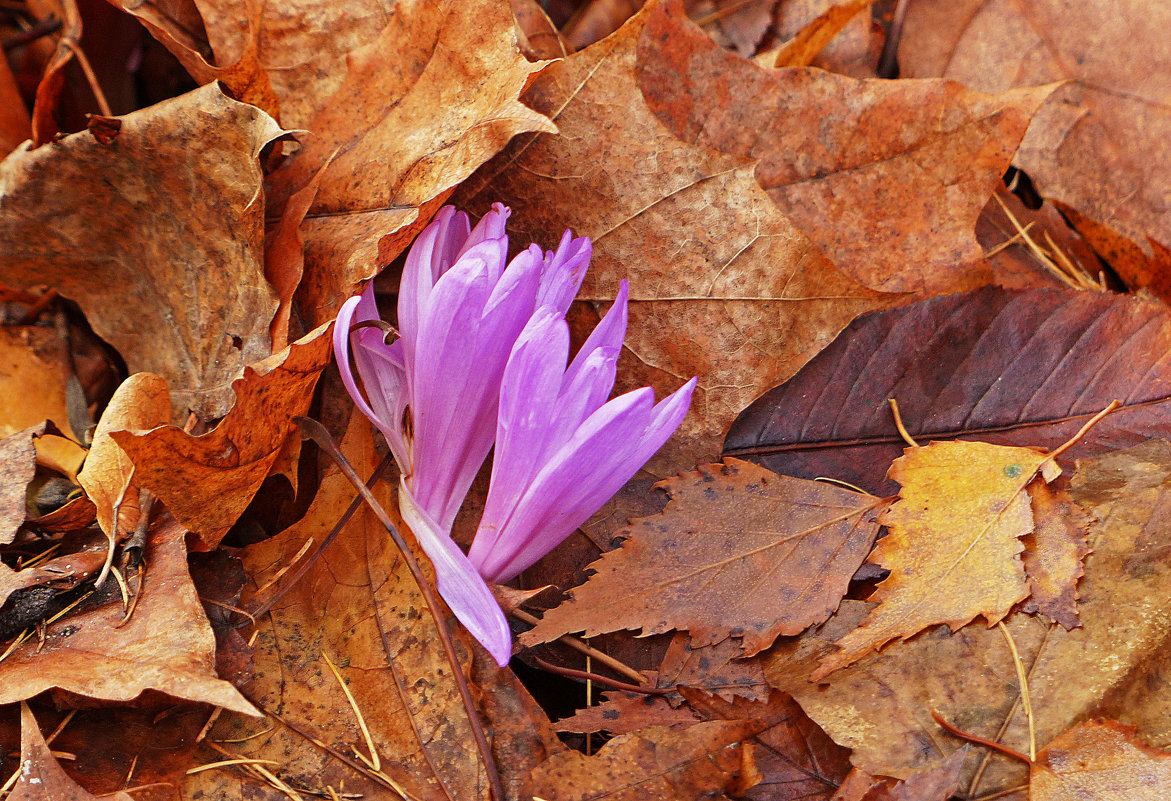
(608, 333)
(564, 271)
(432, 254)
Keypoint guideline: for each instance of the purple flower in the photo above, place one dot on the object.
(481, 357)
(562, 450)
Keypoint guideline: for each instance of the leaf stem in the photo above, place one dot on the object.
(1093, 421)
(973, 738)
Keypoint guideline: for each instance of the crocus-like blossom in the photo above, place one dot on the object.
(481, 357)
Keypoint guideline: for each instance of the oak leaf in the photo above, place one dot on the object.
(702, 245)
(887, 178)
(1102, 760)
(738, 552)
(209, 480)
(165, 254)
(1113, 59)
(953, 544)
(1009, 367)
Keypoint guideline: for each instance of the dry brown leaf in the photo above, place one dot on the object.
(701, 761)
(886, 177)
(625, 712)
(164, 256)
(953, 543)
(854, 51)
(1139, 268)
(796, 759)
(32, 378)
(208, 481)
(1100, 760)
(1098, 143)
(453, 86)
(1110, 666)
(141, 402)
(18, 466)
(1053, 554)
(358, 606)
(739, 551)
(41, 778)
(536, 35)
(284, 261)
(15, 123)
(84, 557)
(713, 669)
(702, 245)
(167, 644)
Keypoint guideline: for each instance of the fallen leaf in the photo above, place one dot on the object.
(1097, 144)
(359, 606)
(702, 245)
(738, 552)
(796, 759)
(141, 402)
(32, 363)
(1102, 760)
(700, 761)
(81, 561)
(1053, 554)
(536, 35)
(167, 644)
(880, 706)
(624, 712)
(597, 19)
(18, 466)
(735, 24)
(41, 778)
(887, 178)
(1139, 268)
(208, 481)
(936, 783)
(811, 39)
(854, 51)
(952, 546)
(454, 87)
(712, 668)
(164, 257)
(1008, 367)
(15, 123)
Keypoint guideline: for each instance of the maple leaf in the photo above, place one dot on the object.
(1010, 367)
(1103, 760)
(953, 545)
(739, 552)
(1112, 58)
(703, 247)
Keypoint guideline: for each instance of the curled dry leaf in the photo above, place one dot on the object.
(208, 481)
(738, 552)
(879, 706)
(703, 247)
(1102, 760)
(141, 402)
(1009, 367)
(886, 177)
(454, 87)
(41, 777)
(83, 559)
(167, 645)
(165, 255)
(1115, 60)
(699, 761)
(953, 544)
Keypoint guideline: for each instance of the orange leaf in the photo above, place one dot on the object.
(953, 544)
(41, 777)
(1054, 552)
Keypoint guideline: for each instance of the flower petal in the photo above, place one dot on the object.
(564, 271)
(608, 333)
(529, 395)
(490, 228)
(432, 254)
(465, 592)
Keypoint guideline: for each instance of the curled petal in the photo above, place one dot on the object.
(465, 592)
(564, 271)
(490, 229)
(432, 254)
(608, 333)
